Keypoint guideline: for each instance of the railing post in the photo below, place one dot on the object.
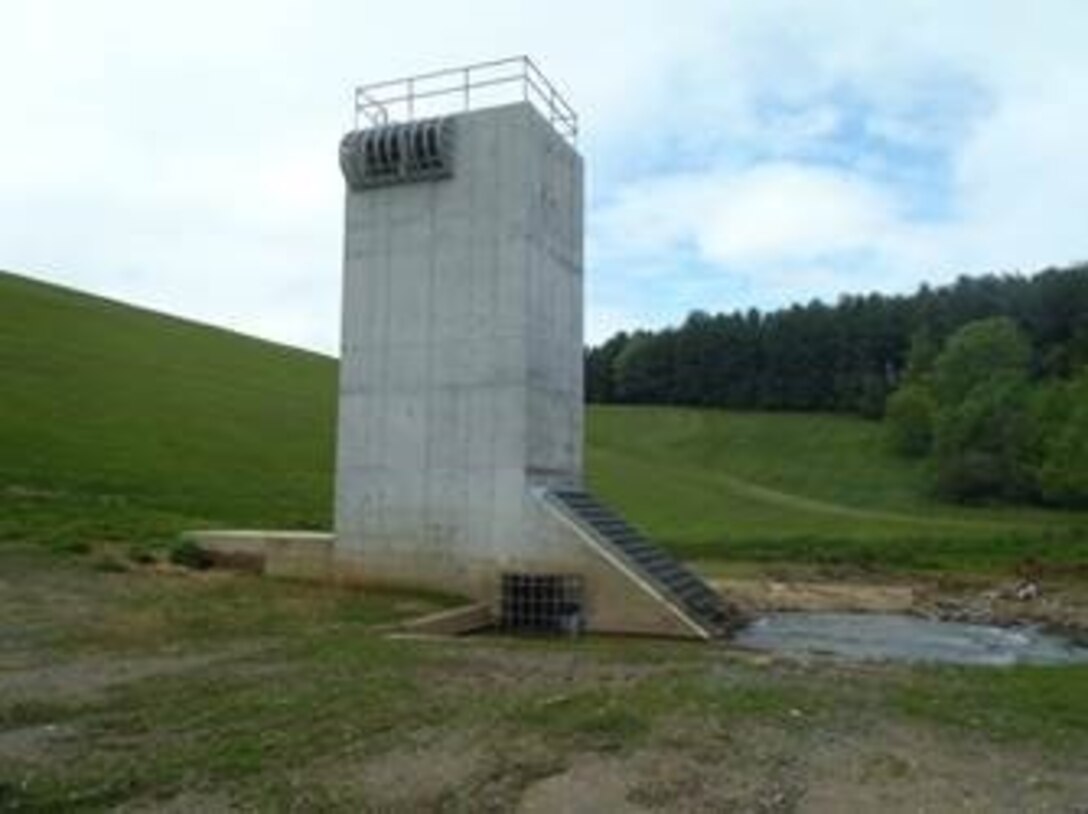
(373, 102)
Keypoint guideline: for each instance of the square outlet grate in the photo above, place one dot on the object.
(542, 603)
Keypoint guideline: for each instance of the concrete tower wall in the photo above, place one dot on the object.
(461, 358)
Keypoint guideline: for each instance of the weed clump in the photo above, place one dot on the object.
(109, 564)
(188, 554)
(64, 544)
(140, 554)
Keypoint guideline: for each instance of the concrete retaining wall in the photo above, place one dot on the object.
(286, 554)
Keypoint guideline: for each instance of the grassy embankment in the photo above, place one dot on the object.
(714, 485)
(122, 424)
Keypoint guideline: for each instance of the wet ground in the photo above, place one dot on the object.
(1053, 602)
(900, 637)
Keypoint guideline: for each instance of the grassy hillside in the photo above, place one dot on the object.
(110, 414)
(139, 688)
(117, 423)
(715, 484)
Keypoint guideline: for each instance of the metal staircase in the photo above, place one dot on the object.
(674, 580)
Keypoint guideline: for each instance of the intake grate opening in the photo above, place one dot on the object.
(398, 153)
(542, 603)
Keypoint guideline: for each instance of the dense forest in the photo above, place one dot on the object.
(844, 357)
(988, 376)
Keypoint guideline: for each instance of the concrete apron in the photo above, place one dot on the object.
(616, 598)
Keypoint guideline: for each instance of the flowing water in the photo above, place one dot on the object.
(876, 636)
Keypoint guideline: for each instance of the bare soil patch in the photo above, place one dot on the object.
(411, 777)
(35, 744)
(592, 785)
(891, 769)
(85, 679)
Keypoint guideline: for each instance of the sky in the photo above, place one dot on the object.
(747, 153)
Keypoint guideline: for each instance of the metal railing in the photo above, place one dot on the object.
(484, 84)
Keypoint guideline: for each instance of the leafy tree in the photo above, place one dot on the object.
(922, 354)
(872, 396)
(694, 361)
(986, 438)
(1064, 473)
(987, 446)
(976, 354)
(600, 378)
(644, 369)
(909, 418)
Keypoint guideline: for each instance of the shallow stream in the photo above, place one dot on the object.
(898, 637)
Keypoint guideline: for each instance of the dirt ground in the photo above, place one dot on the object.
(890, 771)
(149, 691)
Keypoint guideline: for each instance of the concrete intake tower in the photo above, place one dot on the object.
(459, 455)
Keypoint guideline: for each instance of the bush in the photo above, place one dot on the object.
(987, 446)
(872, 401)
(909, 421)
(140, 554)
(190, 555)
(109, 564)
(1064, 474)
(986, 434)
(976, 354)
(67, 544)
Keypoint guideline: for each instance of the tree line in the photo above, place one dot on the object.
(846, 357)
(986, 378)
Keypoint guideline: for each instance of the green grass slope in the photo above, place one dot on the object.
(118, 423)
(110, 413)
(801, 487)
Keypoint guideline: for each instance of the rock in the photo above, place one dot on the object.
(1027, 591)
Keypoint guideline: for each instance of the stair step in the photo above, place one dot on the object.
(616, 530)
(655, 565)
(630, 539)
(611, 524)
(683, 585)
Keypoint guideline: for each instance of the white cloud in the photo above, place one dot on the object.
(603, 322)
(788, 212)
(778, 226)
(183, 155)
(869, 148)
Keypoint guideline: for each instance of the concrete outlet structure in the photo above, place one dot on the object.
(461, 359)
(459, 458)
